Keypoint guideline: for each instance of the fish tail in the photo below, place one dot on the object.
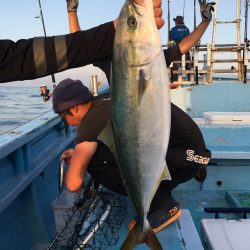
(137, 236)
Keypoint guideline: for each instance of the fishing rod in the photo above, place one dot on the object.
(170, 40)
(44, 30)
(196, 66)
(41, 16)
(246, 43)
(169, 35)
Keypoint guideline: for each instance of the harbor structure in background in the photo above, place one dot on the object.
(204, 69)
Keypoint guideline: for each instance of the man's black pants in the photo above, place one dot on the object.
(186, 154)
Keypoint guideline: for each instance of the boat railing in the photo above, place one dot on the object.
(27, 150)
(200, 71)
(208, 71)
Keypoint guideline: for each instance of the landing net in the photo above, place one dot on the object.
(93, 222)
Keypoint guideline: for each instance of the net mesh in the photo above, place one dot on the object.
(94, 220)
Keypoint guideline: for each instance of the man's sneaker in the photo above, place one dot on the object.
(164, 216)
(159, 219)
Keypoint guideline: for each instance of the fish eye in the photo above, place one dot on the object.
(132, 22)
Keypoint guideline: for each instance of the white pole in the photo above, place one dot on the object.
(94, 85)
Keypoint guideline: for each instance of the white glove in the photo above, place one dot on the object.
(206, 10)
(72, 5)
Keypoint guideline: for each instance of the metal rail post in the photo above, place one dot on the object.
(246, 45)
(213, 42)
(196, 66)
(94, 85)
(238, 20)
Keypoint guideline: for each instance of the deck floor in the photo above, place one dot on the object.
(190, 201)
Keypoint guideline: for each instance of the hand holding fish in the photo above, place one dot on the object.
(67, 155)
(157, 6)
(72, 5)
(206, 10)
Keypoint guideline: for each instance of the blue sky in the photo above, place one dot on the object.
(17, 21)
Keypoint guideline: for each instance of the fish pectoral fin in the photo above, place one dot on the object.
(144, 81)
(166, 174)
(136, 236)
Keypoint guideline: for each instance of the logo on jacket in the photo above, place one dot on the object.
(196, 158)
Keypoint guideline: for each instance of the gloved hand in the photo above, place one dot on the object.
(206, 10)
(72, 5)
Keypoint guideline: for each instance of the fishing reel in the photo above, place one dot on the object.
(171, 43)
(44, 92)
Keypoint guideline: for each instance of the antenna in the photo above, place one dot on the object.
(44, 30)
(194, 14)
(183, 11)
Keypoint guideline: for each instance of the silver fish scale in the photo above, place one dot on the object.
(140, 106)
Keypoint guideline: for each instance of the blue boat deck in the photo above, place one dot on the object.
(186, 232)
(29, 159)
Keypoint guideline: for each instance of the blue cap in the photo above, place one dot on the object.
(69, 93)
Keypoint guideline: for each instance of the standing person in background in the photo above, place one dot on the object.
(178, 32)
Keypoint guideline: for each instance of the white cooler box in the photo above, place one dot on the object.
(61, 207)
(222, 234)
(227, 117)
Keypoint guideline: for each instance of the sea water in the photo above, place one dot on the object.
(19, 104)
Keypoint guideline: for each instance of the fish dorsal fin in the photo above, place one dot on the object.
(144, 81)
(165, 173)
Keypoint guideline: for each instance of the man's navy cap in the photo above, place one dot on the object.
(179, 19)
(69, 93)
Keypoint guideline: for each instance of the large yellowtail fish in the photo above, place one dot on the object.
(140, 106)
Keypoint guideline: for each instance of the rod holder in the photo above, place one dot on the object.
(94, 83)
